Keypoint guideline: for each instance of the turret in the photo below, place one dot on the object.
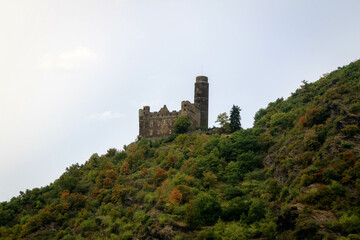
(201, 99)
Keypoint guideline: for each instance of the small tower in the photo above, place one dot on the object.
(201, 99)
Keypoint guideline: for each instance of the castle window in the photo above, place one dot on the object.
(170, 123)
(158, 124)
(158, 132)
(151, 124)
(170, 131)
(151, 132)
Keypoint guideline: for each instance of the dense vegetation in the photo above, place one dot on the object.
(294, 175)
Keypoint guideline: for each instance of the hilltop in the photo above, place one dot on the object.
(294, 175)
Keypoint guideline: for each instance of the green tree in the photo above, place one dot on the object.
(208, 208)
(224, 122)
(257, 211)
(235, 118)
(182, 124)
(236, 208)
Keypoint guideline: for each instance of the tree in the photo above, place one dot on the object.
(182, 124)
(208, 209)
(257, 211)
(224, 121)
(124, 169)
(235, 118)
(176, 197)
(159, 176)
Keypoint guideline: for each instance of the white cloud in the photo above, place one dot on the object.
(107, 115)
(69, 60)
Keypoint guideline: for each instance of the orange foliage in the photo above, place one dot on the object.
(95, 193)
(108, 183)
(76, 200)
(125, 168)
(302, 121)
(119, 193)
(159, 176)
(144, 172)
(348, 157)
(65, 195)
(110, 173)
(175, 197)
(110, 177)
(171, 159)
(72, 200)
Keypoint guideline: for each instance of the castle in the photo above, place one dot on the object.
(160, 124)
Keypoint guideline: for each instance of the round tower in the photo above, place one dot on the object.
(201, 99)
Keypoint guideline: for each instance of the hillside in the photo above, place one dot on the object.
(294, 175)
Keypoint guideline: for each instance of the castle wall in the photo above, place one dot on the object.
(192, 112)
(156, 124)
(160, 124)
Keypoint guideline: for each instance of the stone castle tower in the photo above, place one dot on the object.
(160, 124)
(201, 99)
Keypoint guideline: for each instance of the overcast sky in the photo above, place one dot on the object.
(73, 73)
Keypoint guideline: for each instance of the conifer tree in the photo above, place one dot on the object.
(235, 118)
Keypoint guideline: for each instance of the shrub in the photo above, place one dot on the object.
(274, 189)
(330, 174)
(350, 223)
(283, 120)
(311, 141)
(266, 140)
(316, 115)
(351, 130)
(354, 108)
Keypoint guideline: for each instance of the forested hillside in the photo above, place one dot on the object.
(294, 175)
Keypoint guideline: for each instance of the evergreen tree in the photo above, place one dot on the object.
(235, 118)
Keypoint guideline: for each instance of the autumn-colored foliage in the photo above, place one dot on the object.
(175, 197)
(171, 159)
(159, 176)
(144, 172)
(125, 168)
